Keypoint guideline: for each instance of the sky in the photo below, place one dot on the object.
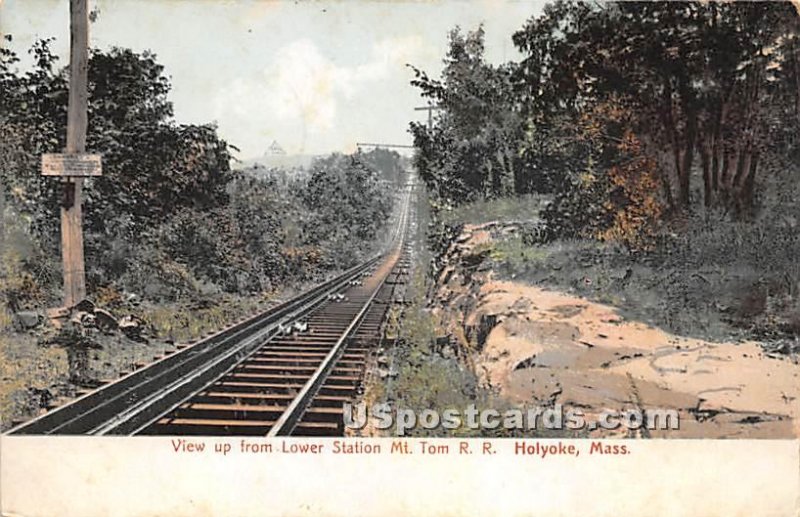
(316, 77)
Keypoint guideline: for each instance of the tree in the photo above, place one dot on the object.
(389, 164)
(345, 201)
(703, 77)
(152, 167)
(750, 94)
(33, 114)
(472, 150)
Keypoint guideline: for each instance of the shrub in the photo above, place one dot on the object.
(618, 196)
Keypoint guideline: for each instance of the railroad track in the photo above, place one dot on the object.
(287, 371)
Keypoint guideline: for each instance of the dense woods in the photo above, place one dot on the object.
(631, 113)
(169, 218)
(649, 149)
(180, 238)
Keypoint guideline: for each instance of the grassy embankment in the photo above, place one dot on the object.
(423, 373)
(712, 278)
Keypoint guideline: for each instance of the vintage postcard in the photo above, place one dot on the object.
(278, 257)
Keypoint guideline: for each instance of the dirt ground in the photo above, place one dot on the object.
(37, 374)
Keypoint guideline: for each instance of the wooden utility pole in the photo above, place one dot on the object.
(429, 108)
(74, 164)
(77, 120)
(2, 220)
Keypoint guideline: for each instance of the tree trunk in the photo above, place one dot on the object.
(717, 147)
(745, 158)
(666, 187)
(488, 181)
(730, 161)
(705, 159)
(685, 163)
(715, 164)
(663, 167)
(748, 187)
(668, 121)
(796, 70)
(507, 179)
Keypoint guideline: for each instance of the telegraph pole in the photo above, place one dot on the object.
(429, 108)
(74, 164)
(77, 120)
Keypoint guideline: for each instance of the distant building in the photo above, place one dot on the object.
(275, 149)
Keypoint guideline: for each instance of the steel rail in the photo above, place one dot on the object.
(93, 411)
(292, 415)
(137, 400)
(141, 416)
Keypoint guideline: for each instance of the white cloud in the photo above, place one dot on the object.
(302, 83)
(226, 60)
(304, 88)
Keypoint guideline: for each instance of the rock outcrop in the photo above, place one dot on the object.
(541, 347)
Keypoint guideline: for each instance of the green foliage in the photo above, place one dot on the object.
(346, 203)
(472, 151)
(152, 167)
(701, 85)
(578, 209)
(425, 379)
(717, 80)
(390, 165)
(263, 237)
(25, 271)
(517, 254)
(621, 202)
(169, 219)
(521, 208)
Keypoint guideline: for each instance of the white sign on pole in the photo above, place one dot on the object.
(80, 165)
